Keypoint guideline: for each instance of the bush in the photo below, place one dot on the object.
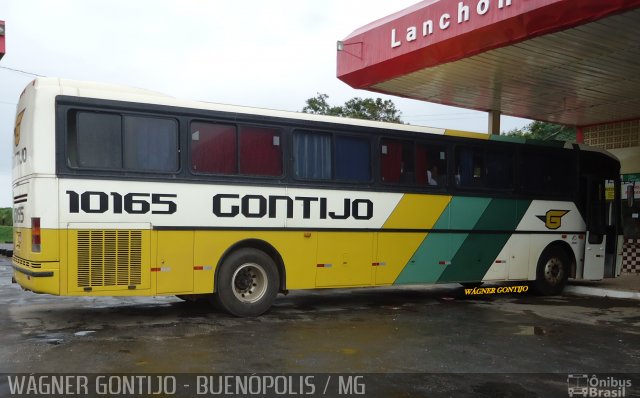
(6, 234)
(6, 216)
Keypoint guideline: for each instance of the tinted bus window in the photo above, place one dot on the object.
(396, 161)
(499, 170)
(431, 165)
(213, 148)
(547, 173)
(98, 141)
(150, 144)
(352, 159)
(115, 142)
(260, 151)
(312, 156)
(469, 167)
(480, 168)
(229, 150)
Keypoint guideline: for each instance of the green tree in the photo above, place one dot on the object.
(544, 131)
(318, 105)
(6, 216)
(358, 108)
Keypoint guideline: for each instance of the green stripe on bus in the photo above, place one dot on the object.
(547, 143)
(503, 215)
(430, 259)
(508, 138)
(478, 251)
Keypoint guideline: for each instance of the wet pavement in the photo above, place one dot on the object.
(383, 330)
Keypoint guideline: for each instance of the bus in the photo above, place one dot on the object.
(122, 192)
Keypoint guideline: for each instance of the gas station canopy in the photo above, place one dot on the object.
(573, 62)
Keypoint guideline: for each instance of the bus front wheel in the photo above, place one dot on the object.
(247, 283)
(552, 272)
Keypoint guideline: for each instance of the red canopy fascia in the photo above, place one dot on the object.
(404, 42)
(2, 40)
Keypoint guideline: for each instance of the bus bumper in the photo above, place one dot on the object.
(38, 279)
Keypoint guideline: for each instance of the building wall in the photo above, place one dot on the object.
(623, 140)
(613, 135)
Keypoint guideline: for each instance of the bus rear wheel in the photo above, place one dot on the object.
(552, 272)
(247, 283)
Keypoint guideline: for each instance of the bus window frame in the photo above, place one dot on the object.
(357, 184)
(190, 150)
(287, 128)
(400, 183)
(483, 189)
(283, 142)
(414, 185)
(445, 183)
(333, 160)
(571, 193)
(74, 112)
(238, 127)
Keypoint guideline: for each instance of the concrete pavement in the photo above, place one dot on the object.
(626, 286)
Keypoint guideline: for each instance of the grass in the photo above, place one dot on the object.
(6, 233)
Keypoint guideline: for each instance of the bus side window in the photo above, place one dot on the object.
(95, 140)
(213, 148)
(431, 165)
(312, 155)
(150, 144)
(470, 167)
(111, 141)
(397, 163)
(481, 168)
(546, 173)
(260, 151)
(352, 158)
(499, 172)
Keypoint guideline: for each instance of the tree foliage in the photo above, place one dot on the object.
(358, 108)
(544, 131)
(6, 216)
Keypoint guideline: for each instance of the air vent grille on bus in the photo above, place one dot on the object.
(109, 258)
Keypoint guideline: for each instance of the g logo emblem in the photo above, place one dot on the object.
(16, 130)
(553, 218)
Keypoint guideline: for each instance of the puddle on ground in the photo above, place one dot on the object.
(83, 333)
(53, 339)
(532, 331)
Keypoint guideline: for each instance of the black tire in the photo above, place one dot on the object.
(247, 283)
(193, 299)
(552, 271)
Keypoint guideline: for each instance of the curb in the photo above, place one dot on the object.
(600, 292)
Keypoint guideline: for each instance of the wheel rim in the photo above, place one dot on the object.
(554, 271)
(249, 283)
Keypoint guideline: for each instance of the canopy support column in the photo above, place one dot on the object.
(494, 122)
(579, 135)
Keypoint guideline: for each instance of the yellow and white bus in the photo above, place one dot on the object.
(123, 192)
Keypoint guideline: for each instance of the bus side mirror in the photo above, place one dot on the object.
(630, 192)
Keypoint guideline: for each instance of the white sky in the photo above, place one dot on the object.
(272, 54)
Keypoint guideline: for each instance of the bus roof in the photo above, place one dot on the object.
(126, 93)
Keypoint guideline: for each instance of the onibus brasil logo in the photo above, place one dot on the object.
(583, 385)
